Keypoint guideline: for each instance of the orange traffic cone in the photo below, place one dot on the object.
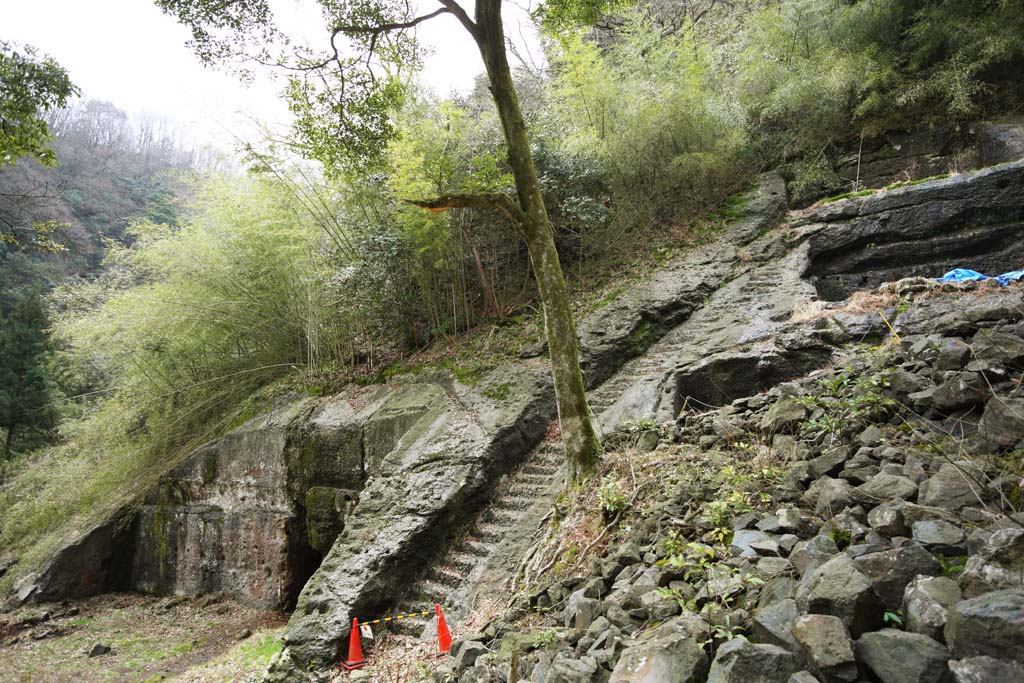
(444, 636)
(355, 649)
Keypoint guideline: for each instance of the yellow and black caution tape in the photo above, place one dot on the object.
(399, 617)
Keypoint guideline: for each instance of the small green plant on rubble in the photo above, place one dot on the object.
(726, 631)
(547, 638)
(845, 399)
(893, 618)
(699, 564)
(952, 566)
(613, 499)
(722, 510)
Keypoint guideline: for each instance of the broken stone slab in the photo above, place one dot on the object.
(743, 539)
(829, 496)
(812, 553)
(830, 462)
(773, 624)
(465, 653)
(1003, 421)
(953, 354)
(891, 571)
(985, 670)
(926, 604)
(839, 588)
(939, 537)
(827, 645)
(888, 520)
(954, 486)
(803, 677)
(899, 657)
(999, 564)
(999, 347)
(962, 390)
(884, 487)
(990, 624)
(666, 658)
(795, 521)
(740, 661)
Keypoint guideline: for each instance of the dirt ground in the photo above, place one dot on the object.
(203, 640)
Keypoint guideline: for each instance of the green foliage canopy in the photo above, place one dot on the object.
(30, 84)
(26, 387)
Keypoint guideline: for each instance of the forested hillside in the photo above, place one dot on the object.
(60, 221)
(154, 296)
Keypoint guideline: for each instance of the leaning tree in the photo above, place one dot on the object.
(343, 95)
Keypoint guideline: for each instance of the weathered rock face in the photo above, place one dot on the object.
(1000, 141)
(627, 326)
(222, 520)
(924, 229)
(251, 514)
(881, 161)
(418, 495)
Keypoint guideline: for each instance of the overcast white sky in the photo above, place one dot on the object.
(130, 53)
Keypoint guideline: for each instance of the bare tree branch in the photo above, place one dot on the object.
(378, 29)
(495, 200)
(460, 14)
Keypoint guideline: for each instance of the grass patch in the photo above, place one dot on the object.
(848, 195)
(919, 181)
(258, 651)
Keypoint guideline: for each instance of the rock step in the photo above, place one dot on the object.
(504, 518)
(459, 560)
(446, 576)
(430, 591)
(519, 501)
(475, 548)
(490, 534)
(539, 479)
(541, 468)
(409, 627)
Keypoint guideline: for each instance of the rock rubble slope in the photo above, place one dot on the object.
(861, 523)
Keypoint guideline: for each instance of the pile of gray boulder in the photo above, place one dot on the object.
(887, 545)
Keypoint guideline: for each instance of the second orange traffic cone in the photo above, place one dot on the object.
(444, 636)
(355, 649)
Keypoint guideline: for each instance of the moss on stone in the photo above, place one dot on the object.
(642, 336)
(210, 467)
(499, 392)
(324, 517)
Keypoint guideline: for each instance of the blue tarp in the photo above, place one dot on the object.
(967, 275)
(1012, 276)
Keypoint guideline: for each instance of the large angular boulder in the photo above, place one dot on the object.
(884, 487)
(892, 570)
(926, 605)
(784, 414)
(841, 589)
(826, 644)
(668, 658)
(1003, 421)
(899, 657)
(773, 624)
(954, 486)
(1000, 564)
(990, 624)
(985, 670)
(740, 661)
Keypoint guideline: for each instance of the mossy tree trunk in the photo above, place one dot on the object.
(530, 218)
(581, 443)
